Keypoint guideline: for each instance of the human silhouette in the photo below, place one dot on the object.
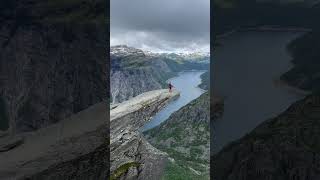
(170, 87)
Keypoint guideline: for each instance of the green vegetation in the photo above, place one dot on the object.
(123, 169)
(185, 137)
(175, 172)
(177, 66)
(4, 121)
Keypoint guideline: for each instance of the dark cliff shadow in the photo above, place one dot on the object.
(265, 64)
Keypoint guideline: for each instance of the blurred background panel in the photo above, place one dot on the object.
(54, 85)
(265, 67)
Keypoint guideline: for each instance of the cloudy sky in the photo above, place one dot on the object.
(161, 25)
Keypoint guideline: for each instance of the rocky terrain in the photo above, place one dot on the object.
(52, 61)
(78, 147)
(134, 71)
(185, 136)
(74, 148)
(284, 147)
(131, 156)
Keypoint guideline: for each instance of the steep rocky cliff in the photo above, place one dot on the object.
(133, 72)
(284, 147)
(132, 157)
(52, 61)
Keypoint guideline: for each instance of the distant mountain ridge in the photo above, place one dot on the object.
(123, 50)
(134, 71)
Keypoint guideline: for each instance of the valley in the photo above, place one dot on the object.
(134, 71)
(284, 145)
(186, 75)
(247, 82)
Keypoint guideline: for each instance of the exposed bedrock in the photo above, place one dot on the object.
(132, 157)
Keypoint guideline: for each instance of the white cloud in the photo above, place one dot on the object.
(166, 25)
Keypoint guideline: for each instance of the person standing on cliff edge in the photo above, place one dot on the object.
(170, 87)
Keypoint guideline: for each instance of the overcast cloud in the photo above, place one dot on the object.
(161, 25)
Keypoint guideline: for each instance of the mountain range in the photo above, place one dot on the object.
(134, 71)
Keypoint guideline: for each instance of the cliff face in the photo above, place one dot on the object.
(285, 147)
(52, 61)
(132, 157)
(133, 72)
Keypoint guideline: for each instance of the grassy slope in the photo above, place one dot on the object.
(174, 171)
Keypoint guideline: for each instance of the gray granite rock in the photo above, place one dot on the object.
(50, 68)
(127, 144)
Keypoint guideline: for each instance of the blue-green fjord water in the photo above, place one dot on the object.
(187, 84)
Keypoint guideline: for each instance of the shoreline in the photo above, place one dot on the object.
(272, 28)
(267, 99)
(291, 89)
(145, 128)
